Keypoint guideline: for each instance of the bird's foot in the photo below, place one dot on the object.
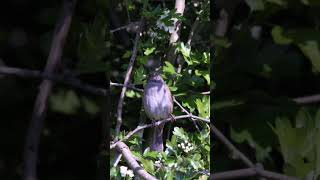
(173, 118)
(154, 123)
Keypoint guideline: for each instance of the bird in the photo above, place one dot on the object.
(158, 105)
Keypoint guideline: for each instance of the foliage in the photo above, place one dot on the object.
(268, 56)
(186, 85)
(299, 144)
(182, 159)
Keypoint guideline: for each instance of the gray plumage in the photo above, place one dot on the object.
(158, 105)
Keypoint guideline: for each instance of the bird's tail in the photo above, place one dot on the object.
(157, 139)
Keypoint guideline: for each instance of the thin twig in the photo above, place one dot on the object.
(175, 35)
(139, 128)
(179, 6)
(126, 82)
(222, 23)
(119, 28)
(129, 86)
(185, 111)
(117, 159)
(132, 163)
(230, 146)
(241, 173)
(307, 99)
(71, 81)
(193, 29)
(37, 122)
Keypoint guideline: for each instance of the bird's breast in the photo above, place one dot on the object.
(157, 101)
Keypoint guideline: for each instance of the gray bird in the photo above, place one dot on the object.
(158, 105)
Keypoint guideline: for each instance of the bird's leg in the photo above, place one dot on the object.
(173, 118)
(154, 123)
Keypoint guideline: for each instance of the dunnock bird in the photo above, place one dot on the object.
(158, 105)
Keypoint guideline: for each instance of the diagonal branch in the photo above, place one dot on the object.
(158, 123)
(231, 147)
(74, 82)
(241, 173)
(129, 86)
(171, 55)
(307, 99)
(37, 122)
(133, 164)
(126, 82)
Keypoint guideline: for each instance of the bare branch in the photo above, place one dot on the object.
(133, 164)
(171, 55)
(158, 123)
(129, 86)
(179, 6)
(241, 173)
(193, 29)
(222, 23)
(307, 99)
(126, 82)
(36, 124)
(71, 81)
(230, 146)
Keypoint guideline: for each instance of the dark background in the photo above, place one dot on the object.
(70, 142)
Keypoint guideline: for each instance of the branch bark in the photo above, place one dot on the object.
(171, 55)
(230, 146)
(35, 127)
(71, 81)
(126, 82)
(241, 173)
(158, 123)
(133, 164)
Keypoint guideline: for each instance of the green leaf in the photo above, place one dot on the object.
(169, 68)
(278, 2)
(311, 2)
(179, 132)
(205, 74)
(203, 106)
(127, 54)
(184, 50)
(143, 59)
(89, 105)
(65, 102)
(222, 42)
(148, 165)
(139, 75)
(149, 51)
(130, 93)
(206, 57)
(92, 45)
(311, 50)
(255, 5)
(262, 153)
(278, 37)
(151, 154)
(173, 88)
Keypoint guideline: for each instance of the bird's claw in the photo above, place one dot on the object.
(173, 118)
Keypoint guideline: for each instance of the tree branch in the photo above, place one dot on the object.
(129, 86)
(171, 55)
(230, 146)
(241, 173)
(37, 122)
(158, 123)
(193, 29)
(307, 99)
(126, 82)
(71, 81)
(133, 164)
